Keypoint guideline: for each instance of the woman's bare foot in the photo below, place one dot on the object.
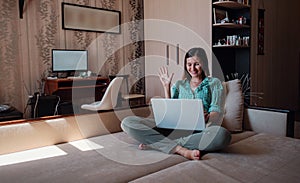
(144, 147)
(189, 154)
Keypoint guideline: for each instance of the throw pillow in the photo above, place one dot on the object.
(234, 106)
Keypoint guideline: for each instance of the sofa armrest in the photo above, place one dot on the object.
(266, 120)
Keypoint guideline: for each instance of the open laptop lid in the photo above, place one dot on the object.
(183, 114)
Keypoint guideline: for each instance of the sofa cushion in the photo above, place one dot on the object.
(107, 158)
(190, 171)
(236, 137)
(259, 158)
(234, 106)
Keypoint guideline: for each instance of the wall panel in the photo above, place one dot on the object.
(276, 73)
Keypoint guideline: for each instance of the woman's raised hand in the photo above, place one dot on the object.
(164, 76)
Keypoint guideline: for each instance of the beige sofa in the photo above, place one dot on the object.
(92, 148)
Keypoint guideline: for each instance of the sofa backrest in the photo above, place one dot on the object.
(44, 132)
(238, 118)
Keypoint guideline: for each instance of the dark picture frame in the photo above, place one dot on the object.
(220, 16)
(87, 18)
(261, 32)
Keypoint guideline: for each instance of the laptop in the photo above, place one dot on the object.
(181, 114)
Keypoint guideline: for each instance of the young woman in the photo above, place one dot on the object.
(197, 85)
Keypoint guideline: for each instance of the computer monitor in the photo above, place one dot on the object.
(64, 60)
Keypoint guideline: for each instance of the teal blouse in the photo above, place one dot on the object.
(210, 90)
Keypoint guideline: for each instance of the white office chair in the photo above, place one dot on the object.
(109, 99)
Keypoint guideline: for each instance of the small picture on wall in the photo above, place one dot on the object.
(261, 32)
(220, 16)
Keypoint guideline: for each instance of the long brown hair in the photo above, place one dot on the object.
(201, 54)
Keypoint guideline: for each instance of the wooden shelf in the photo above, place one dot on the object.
(132, 96)
(231, 4)
(231, 25)
(229, 46)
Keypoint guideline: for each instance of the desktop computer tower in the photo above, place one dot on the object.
(44, 105)
(65, 108)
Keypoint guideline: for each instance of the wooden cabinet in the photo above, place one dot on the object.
(231, 34)
(171, 28)
(72, 89)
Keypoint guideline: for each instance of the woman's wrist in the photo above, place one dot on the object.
(167, 86)
(167, 91)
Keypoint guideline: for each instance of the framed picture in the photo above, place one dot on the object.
(220, 16)
(86, 18)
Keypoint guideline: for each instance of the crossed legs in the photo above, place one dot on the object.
(188, 145)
